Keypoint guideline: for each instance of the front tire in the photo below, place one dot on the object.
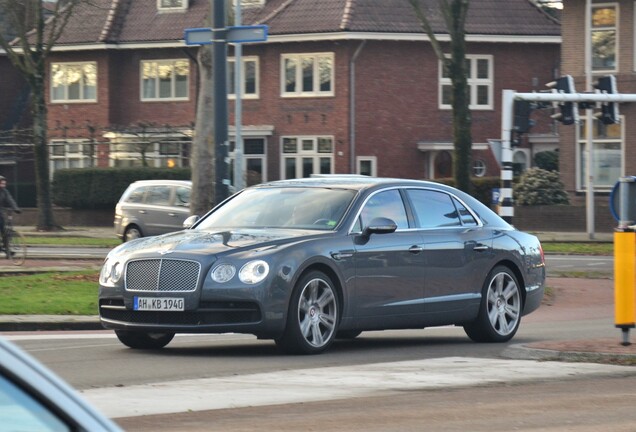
(312, 321)
(132, 232)
(140, 340)
(500, 310)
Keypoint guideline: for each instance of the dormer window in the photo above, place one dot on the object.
(170, 5)
(249, 3)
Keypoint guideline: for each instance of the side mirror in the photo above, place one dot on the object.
(190, 221)
(380, 225)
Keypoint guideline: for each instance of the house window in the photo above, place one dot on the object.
(156, 150)
(75, 153)
(367, 165)
(480, 83)
(172, 4)
(479, 168)
(74, 82)
(249, 78)
(164, 80)
(307, 75)
(608, 157)
(254, 161)
(304, 156)
(604, 37)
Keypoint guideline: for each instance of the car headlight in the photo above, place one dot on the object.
(254, 272)
(223, 273)
(111, 272)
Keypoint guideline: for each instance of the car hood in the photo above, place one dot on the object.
(210, 242)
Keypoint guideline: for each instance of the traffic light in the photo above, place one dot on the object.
(609, 110)
(522, 122)
(568, 111)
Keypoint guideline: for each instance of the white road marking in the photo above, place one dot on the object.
(307, 385)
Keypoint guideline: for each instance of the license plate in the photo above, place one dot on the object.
(158, 304)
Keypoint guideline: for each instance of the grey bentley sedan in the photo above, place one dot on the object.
(306, 261)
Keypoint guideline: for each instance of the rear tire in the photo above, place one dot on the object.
(312, 321)
(500, 309)
(141, 340)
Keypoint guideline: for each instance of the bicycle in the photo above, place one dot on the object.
(16, 243)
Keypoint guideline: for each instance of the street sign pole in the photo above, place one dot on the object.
(219, 55)
(239, 182)
(219, 36)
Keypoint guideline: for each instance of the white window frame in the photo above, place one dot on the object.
(374, 164)
(473, 83)
(120, 150)
(616, 30)
(581, 142)
(230, 89)
(173, 83)
(479, 167)
(82, 99)
(184, 6)
(301, 154)
(299, 75)
(83, 160)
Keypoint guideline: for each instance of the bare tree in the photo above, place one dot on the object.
(36, 34)
(454, 16)
(202, 161)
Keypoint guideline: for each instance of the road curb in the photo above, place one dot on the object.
(522, 352)
(19, 323)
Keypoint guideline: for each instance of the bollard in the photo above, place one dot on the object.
(625, 281)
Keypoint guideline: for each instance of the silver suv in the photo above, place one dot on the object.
(152, 207)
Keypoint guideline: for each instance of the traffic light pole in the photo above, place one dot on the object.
(506, 209)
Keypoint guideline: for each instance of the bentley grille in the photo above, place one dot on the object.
(162, 275)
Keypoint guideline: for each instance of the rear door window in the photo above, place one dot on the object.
(433, 209)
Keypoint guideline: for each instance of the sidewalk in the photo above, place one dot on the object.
(589, 297)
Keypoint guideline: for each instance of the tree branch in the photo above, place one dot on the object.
(426, 26)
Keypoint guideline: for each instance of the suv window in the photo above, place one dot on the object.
(158, 195)
(182, 198)
(137, 195)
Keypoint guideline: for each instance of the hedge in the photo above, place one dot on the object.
(101, 188)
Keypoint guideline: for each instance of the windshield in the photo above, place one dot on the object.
(290, 207)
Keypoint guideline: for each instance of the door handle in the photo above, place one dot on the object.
(142, 211)
(481, 248)
(172, 214)
(416, 249)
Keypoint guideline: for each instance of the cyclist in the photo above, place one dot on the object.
(6, 203)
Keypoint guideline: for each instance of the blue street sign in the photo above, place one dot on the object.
(198, 36)
(232, 34)
(253, 33)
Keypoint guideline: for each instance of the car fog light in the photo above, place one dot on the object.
(223, 273)
(253, 272)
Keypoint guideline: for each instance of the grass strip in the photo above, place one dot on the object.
(71, 241)
(575, 248)
(63, 293)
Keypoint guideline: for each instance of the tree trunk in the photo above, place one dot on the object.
(45, 219)
(462, 137)
(202, 161)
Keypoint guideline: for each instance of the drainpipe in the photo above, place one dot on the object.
(352, 107)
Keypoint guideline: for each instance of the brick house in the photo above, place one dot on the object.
(607, 34)
(341, 86)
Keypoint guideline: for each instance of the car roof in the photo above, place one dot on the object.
(346, 181)
(163, 182)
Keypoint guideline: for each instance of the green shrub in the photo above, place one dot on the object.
(101, 188)
(547, 160)
(540, 187)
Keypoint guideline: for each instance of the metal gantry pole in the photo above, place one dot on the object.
(238, 106)
(506, 205)
(219, 47)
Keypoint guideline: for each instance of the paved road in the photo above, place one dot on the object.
(556, 264)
